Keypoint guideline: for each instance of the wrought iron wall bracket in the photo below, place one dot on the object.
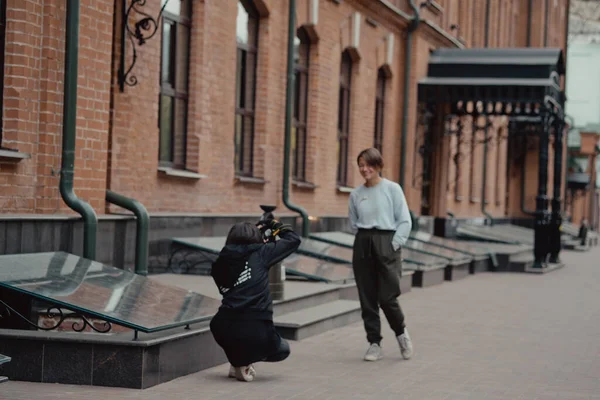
(137, 32)
(52, 312)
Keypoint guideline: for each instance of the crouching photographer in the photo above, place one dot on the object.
(243, 326)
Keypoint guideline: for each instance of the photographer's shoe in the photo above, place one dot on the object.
(232, 371)
(245, 374)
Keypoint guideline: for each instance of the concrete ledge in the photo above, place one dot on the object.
(89, 359)
(406, 281)
(315, 320)
(455, 272)
(428, 277)
(482, 265)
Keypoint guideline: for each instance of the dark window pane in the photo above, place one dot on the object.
(341, 110)
(247, 146)
(379, 110)
(183, 56)
(186, 8)
(381, 79)
(293, 152)
(240, 79)
(338, 157)
(250, 79)
(166, 129)
(300, 154)
(302, 98)
(239, 130)
(344, 117)
(180, 133)
(297, 96)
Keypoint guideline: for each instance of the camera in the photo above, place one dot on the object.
(263, 221)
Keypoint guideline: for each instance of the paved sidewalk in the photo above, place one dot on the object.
(490, 336)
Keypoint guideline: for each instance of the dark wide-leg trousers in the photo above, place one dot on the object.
(377, 268)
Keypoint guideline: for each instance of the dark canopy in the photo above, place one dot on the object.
(509, 76)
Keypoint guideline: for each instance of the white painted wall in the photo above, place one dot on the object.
(583, 82)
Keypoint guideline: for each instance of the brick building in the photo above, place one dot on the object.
(201, 131)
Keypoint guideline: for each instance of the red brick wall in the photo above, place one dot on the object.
(118, 148)
(32, 115)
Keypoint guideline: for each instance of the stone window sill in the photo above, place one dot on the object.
(344, 189)
(304, 185)
(13, 156)
(180, 173)
(250, 180)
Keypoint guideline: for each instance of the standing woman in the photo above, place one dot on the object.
(379, 214)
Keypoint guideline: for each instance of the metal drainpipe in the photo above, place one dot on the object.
(69, 134)
(487, 24)
(546, 24)
(288, 122)
(483, 191)
(524, 209)
(484, 211)
(414, 24)
(529, 19)
(142, 226)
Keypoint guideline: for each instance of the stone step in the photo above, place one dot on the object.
(425, 276)
(321, 294)
(521, 262)
(312, 321)
(4, 359)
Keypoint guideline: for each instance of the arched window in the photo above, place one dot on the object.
(344, 118)
(299, 132)
(379, 109)
(173, 104)
(245, 93)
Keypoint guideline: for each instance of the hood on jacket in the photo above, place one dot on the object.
(230, 263)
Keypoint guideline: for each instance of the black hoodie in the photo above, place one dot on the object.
(241, 273)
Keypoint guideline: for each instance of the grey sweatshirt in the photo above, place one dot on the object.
(382, 206)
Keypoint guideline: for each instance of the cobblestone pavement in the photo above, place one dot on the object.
(490, 336)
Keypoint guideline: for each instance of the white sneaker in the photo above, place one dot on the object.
(374, 353)
(232, 371)
(244, 374)
(406, 347)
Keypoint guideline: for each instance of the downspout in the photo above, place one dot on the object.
(69, 134)
(529, 19)
(484, 211)
(142, 223)
(524, 208)
(288, 122)
(138, 209)
(567, 25)
(546, 24)
(414, 24)
(572, 123)
(487, 26)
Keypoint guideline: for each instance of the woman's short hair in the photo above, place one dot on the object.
(244, 233)
(372, 157)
